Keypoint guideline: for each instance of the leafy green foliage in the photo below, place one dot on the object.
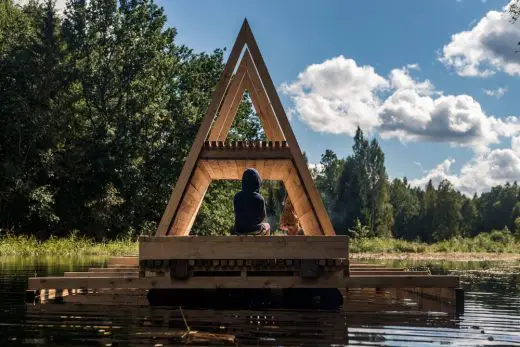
(362, 190)
(514, 10)
(99, 110)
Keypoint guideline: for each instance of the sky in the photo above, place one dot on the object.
(437, 82)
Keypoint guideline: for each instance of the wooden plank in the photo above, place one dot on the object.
(129, 260)
(363, 265)
(354, 269)
(237, 170)
(260, 110)
(389, 273)
(326, 281)
(245, 154)
(216, 169)
(290, 169)
(200, 180)
(102, 274)
(117, 266)
(108, 269)
(208, 168)
(243, 247)
(280, 170)
(299, 161)
(262, 99)
(231, 172)
(235, 90)
(309, 224)
(204, 171)
(178, 190)
(302, 206)
(241, 167)
(191, 201)
(268, 168)
(223, 168)
(233, 109)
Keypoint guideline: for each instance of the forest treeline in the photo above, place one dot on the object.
(99, 107)
(362, 202)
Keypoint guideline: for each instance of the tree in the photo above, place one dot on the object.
(514, 10)
(447, 214)
(406, 207)
(326, 178)
(429, 203)
(31, 87)
(517, 228)
(347, 205)
(469, 216)
(99, 110)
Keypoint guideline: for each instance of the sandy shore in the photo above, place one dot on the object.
(451, 256)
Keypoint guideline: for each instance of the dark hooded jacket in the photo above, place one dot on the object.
(248, 204)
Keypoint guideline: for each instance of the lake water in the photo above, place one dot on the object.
(368, 318)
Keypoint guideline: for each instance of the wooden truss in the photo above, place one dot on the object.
(211, 158)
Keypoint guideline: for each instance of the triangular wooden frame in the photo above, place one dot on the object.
(200, 170)
(246, 79)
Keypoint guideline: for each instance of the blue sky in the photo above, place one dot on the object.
(442, 106)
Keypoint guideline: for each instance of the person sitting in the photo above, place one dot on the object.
(249, 207)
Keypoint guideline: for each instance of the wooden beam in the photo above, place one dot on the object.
(389, 273)
(233, 95)
(301, 165)
(191, 202)
(189, 164)
(243, 247)
(330, 281)
(302, 207)
(129, 260)
(109, 269)
(261, 99)
(244, 154)
(260, 112)
(102, 274)
(354, 269)
(277, 168)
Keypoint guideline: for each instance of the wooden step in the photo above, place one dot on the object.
(332, 281)
(101, 274)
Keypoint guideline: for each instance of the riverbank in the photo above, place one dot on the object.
(438, 256)
(483, 247)
(72, 245)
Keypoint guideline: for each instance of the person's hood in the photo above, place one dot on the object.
(251, 181)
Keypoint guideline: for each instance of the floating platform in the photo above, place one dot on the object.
(246, 262)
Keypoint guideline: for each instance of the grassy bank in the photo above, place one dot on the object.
(494, 242)
(497, 242)
(73, 245)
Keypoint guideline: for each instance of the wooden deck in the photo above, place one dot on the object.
(123, 272)
(245, 262)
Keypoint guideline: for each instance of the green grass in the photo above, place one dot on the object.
(493, 242)
(73, 245)
(12, 245)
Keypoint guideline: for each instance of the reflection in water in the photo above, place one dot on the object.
(369, 317)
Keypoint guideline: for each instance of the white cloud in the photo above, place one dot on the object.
(338, 95)
(485, 49)
(436, 175)
(485, 170)
(497, 93)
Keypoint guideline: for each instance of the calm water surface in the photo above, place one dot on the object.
(369, 318)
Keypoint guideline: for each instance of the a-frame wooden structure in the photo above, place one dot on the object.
(221, 262)
(212, 158)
